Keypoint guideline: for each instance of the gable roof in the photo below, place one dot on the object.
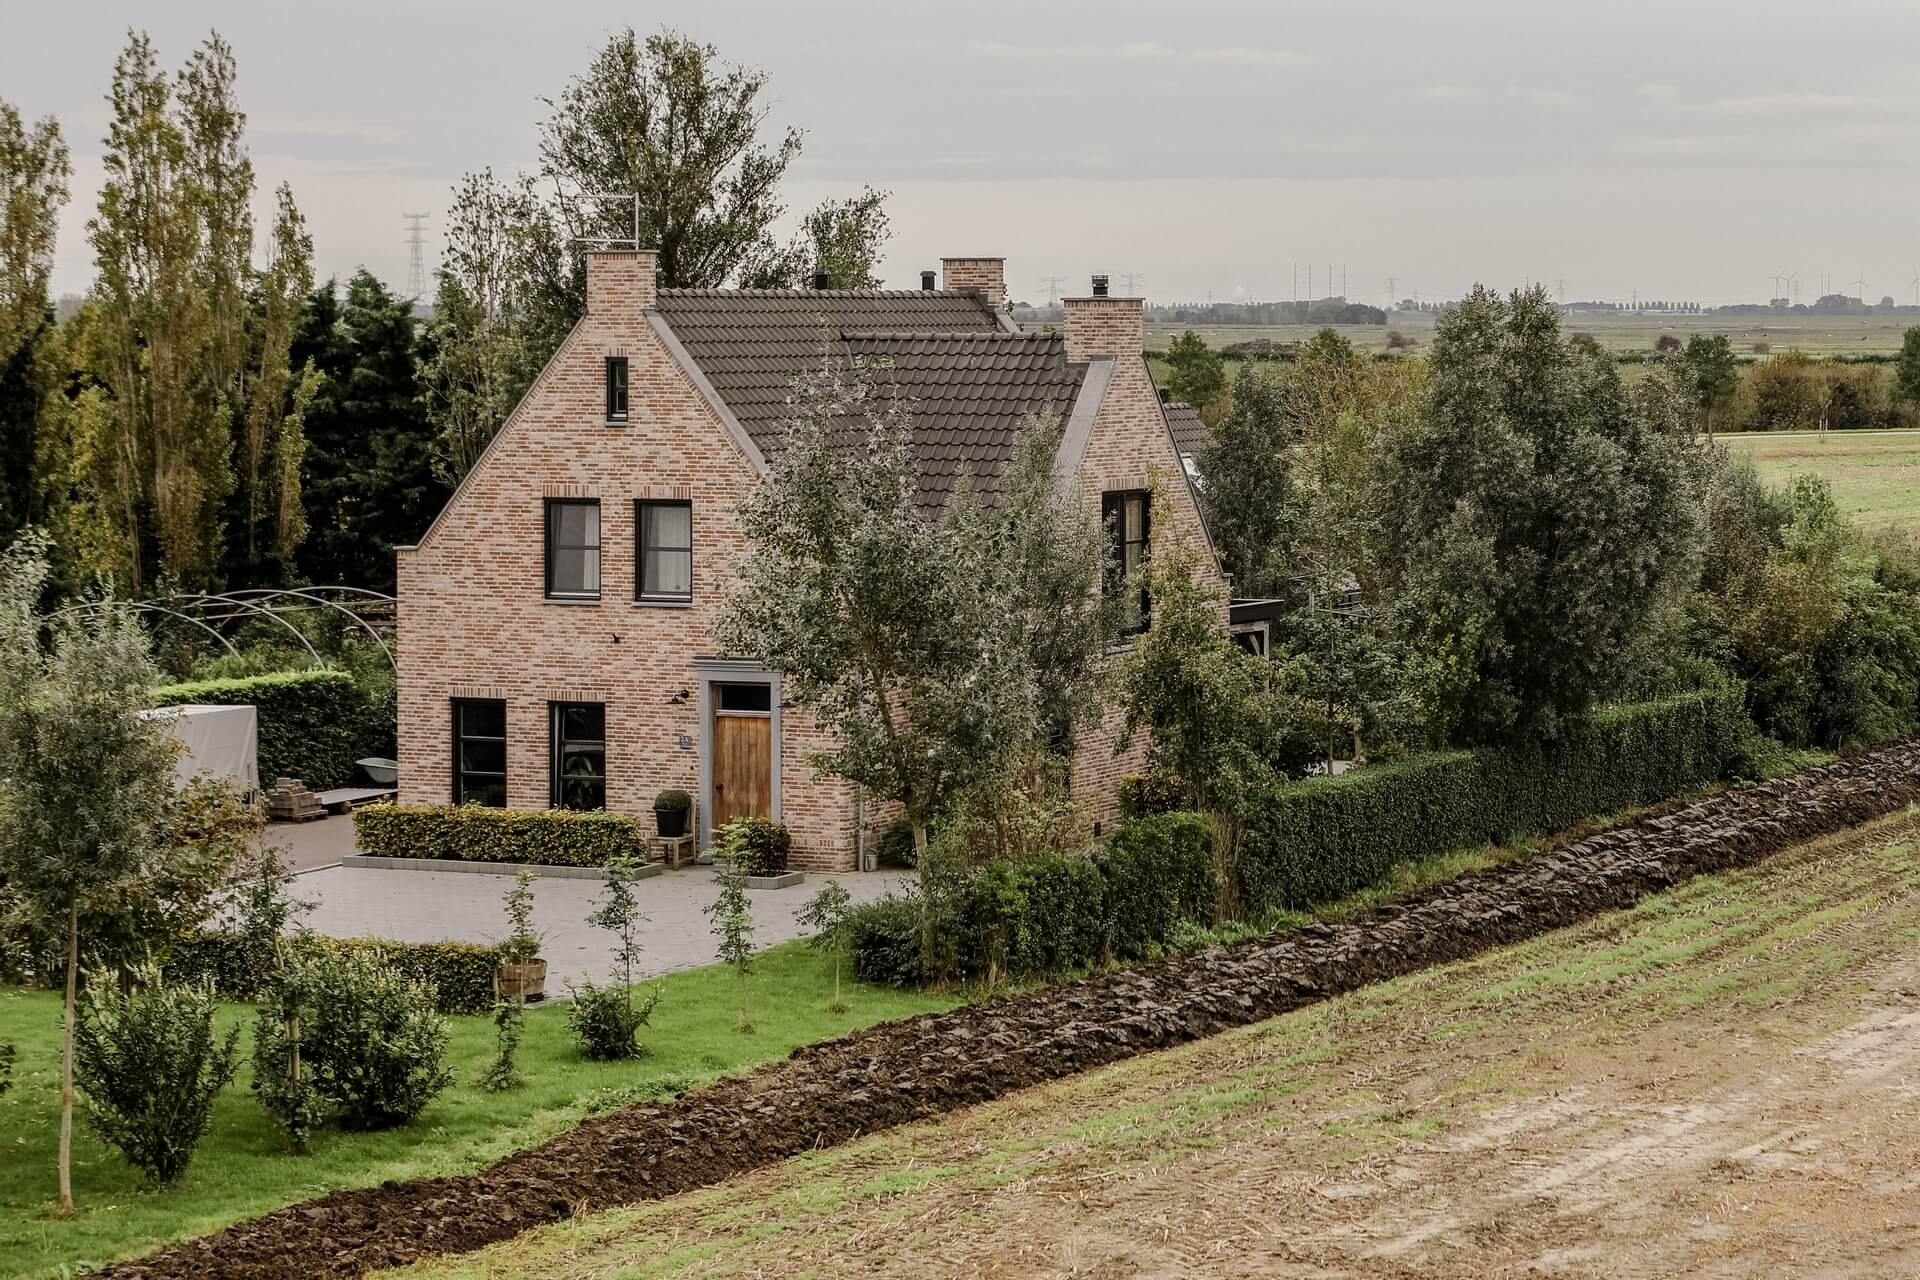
(971, 380)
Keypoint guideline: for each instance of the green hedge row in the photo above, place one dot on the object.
(1320, 839)
(461, 973)
(313, 724)
(1054, 914)
(472, 833)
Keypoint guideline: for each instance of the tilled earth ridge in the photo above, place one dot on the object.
(921, 1067)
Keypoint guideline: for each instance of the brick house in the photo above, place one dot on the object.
(555, 621)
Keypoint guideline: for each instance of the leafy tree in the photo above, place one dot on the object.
(34, 169)
(274, 445)
(732, 920)
(509, 1016)
(1219, 720)
(84, 778)
(1907, 369)
(504, 303)
(1712, 373)
(1533, 519)
(826, 913)
(152, 1064)
(1196, 374)
(1247, 488)
(934, 650)
(840, 237)
(369, 483)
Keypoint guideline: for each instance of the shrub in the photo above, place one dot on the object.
(1317, 840)
(1140, 794)
(896, 845)
(1159, 872)
(1052, 912)
(473, 833)
(150, 1063)
(313, 724)
(884, 937)
(672, 802)
(763, 846)
(459, 973)
(607, 1020)
(6, 1068)
(373, 1039)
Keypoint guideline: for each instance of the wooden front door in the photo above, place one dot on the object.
(742, 767)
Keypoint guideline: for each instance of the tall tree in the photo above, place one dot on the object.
(1533, 518)
(664, 119)
(34, 170)
(84, 779)
(841, 238)
(369, 482)
(1247, 488)
(274, 441)
(1907, 369)
(219, 179)
(503, 305)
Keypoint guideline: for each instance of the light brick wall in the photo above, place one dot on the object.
(988, 275)
(473, 621)
(1129, 448)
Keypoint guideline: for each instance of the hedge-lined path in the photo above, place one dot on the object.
(926, 1066)
(444, 906)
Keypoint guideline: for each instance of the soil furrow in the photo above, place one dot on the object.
(925, 1066)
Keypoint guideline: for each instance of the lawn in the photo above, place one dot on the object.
(1875, 474)
(241, 1169)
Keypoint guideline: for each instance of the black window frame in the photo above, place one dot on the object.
(619, 388)
(558, 746)
(640, 549)
(461, 737)
(553, 505)
(1113, 518)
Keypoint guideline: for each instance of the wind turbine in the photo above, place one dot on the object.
(1776, 288)
(1915, 283)
(1793, 286)
(1861, 284)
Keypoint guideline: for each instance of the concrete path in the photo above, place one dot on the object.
(306, 845)
(434, 906)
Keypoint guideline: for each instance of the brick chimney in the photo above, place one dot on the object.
(986, 276)
(621, 281)
(1104, 326)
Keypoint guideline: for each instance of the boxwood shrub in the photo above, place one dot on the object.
(472, 833)
(884, 937)
(1322, 838)
(313, 724)
(461, 973)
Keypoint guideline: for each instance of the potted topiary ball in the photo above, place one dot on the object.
(670, 810)
(522, 976)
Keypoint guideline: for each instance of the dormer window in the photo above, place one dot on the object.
(616, 388)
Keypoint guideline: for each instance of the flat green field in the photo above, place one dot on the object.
(1875, 474)
(1815, 335)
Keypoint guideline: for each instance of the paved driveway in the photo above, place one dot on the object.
(434, 906)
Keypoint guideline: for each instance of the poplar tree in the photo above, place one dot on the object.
(34, 171)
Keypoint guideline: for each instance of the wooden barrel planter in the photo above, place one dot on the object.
(523, 980)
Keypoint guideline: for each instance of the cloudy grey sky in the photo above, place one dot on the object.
(1681, 148)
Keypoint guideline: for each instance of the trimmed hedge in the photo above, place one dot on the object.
(313, 724)
(1055, 914)
(1323, 838)
(472, 833)
(461, 973)
(1160, 871)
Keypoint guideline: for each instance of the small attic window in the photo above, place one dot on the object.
(616, 388)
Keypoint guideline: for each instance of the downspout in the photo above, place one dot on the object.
(860, 827)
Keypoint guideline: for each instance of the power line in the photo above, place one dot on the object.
(1130, 277)
(1053, 284)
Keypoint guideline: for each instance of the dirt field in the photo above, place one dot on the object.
(1723, 1081)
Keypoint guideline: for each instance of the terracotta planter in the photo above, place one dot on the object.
(670, 822)
(523, 980)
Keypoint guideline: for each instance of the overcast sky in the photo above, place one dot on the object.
(1684, 149)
